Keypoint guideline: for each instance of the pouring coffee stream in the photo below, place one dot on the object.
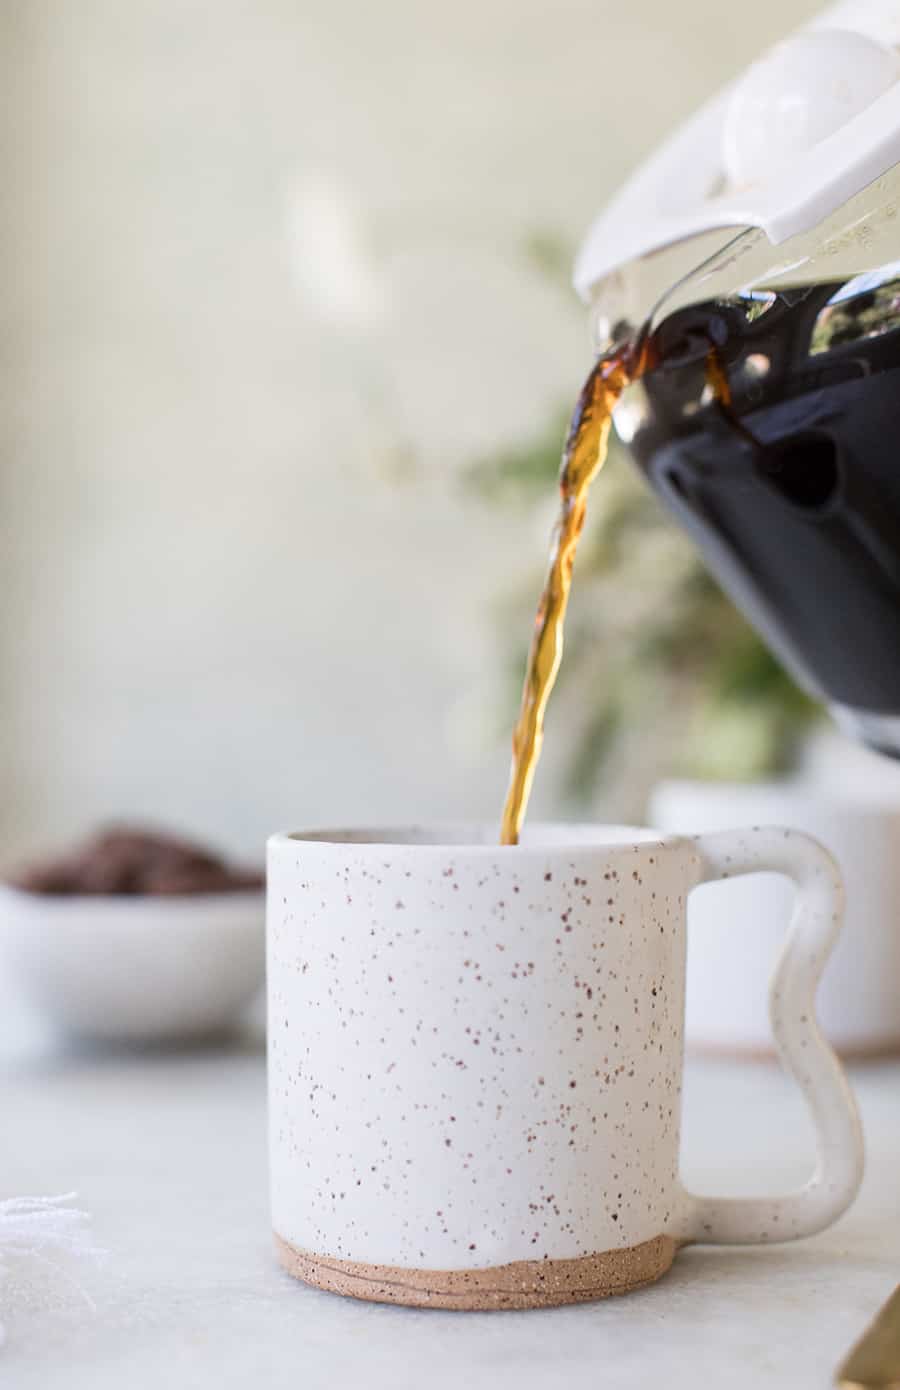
(584, 454)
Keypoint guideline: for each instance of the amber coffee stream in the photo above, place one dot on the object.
(583, 456)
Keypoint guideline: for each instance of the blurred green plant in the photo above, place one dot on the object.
(657, 658)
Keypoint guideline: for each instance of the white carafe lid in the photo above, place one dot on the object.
(804, 131)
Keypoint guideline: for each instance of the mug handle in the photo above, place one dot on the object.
(806, 1055)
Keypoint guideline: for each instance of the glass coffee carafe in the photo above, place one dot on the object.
(791, 491)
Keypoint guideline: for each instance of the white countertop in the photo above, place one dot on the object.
(168, 1153)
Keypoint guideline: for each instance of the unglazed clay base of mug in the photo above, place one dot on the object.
(523, 1284)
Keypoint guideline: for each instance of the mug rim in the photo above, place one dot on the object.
(480, 838)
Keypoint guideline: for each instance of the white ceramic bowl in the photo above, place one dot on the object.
(134, 969)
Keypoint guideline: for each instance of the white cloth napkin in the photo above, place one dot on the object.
(39, 1238)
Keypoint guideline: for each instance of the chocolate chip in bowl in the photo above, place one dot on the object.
(131, 860)
(135, 935)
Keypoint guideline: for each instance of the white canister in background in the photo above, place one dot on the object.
(859, 998)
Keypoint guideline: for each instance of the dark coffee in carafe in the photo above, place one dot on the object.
(792, 491)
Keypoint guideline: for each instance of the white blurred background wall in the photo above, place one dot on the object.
(265, 293)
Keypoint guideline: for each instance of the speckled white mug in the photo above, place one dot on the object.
(475, 1059)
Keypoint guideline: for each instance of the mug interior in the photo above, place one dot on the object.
(485, 836)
